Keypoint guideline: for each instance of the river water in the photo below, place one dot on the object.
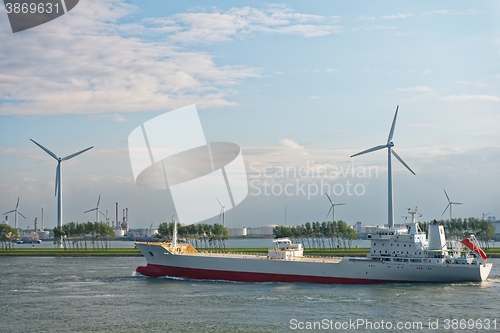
(48, 294)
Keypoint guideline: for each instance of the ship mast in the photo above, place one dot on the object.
(174, 234)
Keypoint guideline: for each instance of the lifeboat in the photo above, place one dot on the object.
(474, 247)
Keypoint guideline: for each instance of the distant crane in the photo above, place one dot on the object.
(485, 215)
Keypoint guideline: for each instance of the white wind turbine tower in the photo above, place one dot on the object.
(450, 204)
(390, 152)
(332, 208)
(97, 210)
(15, 211)
(222, 212)
(58, 178)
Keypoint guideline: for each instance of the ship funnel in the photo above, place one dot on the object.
(437, 239)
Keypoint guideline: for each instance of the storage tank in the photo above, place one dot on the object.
(43, 234)
(237, 232)
(253, 231)
(267, 229)
(119, 233)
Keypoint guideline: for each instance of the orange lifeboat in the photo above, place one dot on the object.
(474, 247)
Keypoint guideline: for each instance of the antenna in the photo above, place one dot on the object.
(332, 208)
(450, 204)
(15, 211)
(390, 152)
(174, 233)
(116, 217)
(59, 180)
(285, 216)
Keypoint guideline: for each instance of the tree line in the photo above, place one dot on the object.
(198, 235)
(7, 235)
(75, 235)
(464, 227)
(319, 235)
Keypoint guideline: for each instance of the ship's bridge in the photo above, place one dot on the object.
(409, 242)
(284, 249)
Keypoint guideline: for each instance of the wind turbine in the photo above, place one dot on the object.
(450, 204)
(390, 152)
(332, 209)
(222, 212)
(97, 210)
(58, 178)
(15, 211)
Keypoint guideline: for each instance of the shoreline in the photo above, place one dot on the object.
(133, 252)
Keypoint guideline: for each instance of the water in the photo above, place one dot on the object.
(48, 294)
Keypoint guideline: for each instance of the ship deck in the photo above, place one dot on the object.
(262, 257)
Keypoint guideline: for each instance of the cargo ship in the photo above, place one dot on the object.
(396, 256)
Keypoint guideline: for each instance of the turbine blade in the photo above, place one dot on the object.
(401, 160)
(444, 211)
(219, 202)
(102, 213)
(45, 149)
(222, 209)
(75, 154)
(370, 150)
(98, 200)
(339, 204)
(329, 211)
(457, 203)
(329, 198)
(11, 211)
(90, 210)
(447, 197)
(17, 205)
(21, 214)
(391, 133)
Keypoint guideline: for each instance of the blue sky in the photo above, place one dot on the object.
(295, 84)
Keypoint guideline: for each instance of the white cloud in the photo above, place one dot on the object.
(222, 26)
(395, 16)
(119, 118)
(452, 12)
(287, 143)
(416, 89)
(462, 98)
(89, 62)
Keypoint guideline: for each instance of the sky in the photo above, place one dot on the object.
(299, 86)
